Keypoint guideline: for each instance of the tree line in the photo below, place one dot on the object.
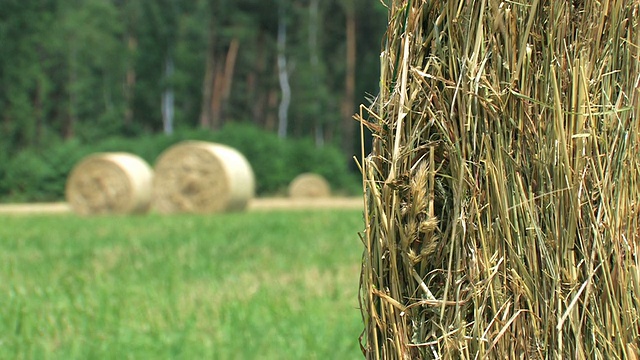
(90, 69)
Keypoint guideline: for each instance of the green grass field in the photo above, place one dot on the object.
(262, 285)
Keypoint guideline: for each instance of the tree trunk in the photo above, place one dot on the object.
(208, 81)
(69, 126)
(283, 75)
(272, 104)
(348, 124)
(39, 113)
(168, 98)
(130, 80)
(258, 94)
(216, 96)
(229, 68)
(222, 85)
(314, 60)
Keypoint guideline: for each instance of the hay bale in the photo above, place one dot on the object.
(110, 183)
(309, 185)
(202, 177)
(501, 193)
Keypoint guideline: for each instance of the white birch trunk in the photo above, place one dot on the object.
(283, 76)
(168, 98)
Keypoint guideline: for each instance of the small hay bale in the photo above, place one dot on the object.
(110, 183)
(309, 185)
(202, 177)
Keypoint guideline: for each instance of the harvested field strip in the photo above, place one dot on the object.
(258, 204)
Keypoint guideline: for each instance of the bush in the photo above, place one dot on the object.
(34, 175)
(277, 162)
(267, 154)
(327, 161)
(41, 175)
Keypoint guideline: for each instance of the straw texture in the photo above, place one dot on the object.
(110, 183)
(309, 185)
(502, 191)
(202, 177)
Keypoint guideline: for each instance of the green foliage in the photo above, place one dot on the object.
(92, 69)
(41, 175)
(268, 155)
(233, 286)
(327, 161)
(29, 177)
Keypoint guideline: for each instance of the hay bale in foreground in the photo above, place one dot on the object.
(503, 188)
(309, 185)
(202, 177)
(110, 183)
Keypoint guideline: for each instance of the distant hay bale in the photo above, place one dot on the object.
(110, 183)
(309, 185)
(202, 177)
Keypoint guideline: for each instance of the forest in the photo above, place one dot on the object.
(87, 70)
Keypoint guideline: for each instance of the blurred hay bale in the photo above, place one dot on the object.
(309, 185)
(110, 183)
(503, 187)
(202, 177)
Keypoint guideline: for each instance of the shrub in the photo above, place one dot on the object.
(40, 175)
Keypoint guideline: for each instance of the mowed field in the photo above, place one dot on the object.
(279, 284)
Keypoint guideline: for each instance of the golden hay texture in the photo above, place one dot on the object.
(503, 188)
(110, 183)
(309, 185)
(202, 177)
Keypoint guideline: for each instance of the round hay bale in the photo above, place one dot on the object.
(202, 177)
(109, 183)
(309, 185)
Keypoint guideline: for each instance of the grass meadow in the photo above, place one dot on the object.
(259, 285)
